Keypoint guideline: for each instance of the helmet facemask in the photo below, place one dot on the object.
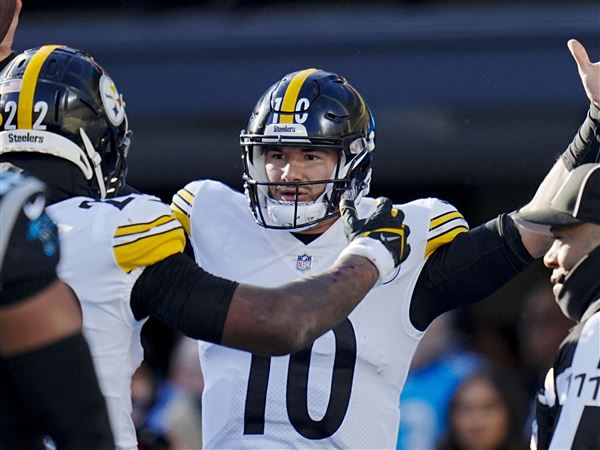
(351, 175)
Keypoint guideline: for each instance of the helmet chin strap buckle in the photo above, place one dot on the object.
(96, 159)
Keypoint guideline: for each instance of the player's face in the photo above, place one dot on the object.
(299, 165)
(571, 243)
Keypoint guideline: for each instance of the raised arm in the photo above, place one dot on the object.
(584, 148)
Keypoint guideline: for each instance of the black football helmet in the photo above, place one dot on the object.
(308, 108)
(58, 101)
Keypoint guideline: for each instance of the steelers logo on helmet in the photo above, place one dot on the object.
(112, 100)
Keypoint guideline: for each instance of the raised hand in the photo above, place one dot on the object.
(588, 71)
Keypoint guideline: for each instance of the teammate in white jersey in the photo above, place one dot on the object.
(309, 139)
(63, 120)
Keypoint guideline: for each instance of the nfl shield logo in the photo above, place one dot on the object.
(304, 262)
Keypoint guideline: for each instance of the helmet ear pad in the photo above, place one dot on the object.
(76, 100)
(328, 113)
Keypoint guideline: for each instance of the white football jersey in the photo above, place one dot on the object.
(105, 246)
(341, 392)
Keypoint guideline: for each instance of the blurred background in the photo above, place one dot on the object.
(473, 101)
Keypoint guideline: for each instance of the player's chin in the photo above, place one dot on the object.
(557, 289)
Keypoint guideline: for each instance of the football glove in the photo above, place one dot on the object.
(383, 230)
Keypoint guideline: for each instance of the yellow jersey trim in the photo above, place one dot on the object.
(136, 228)
(150, 249)
(182, 216)
(446, 237)
(437, 222)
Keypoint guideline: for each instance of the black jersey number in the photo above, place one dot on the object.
(297, 388)
(119, 204)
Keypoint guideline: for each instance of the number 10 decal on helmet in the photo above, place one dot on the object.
(309, 109)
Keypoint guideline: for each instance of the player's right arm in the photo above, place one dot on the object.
(269, 321)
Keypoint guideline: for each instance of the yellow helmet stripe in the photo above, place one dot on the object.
(291, 95)
(28, 85)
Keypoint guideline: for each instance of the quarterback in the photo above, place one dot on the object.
(63, 120)
(310, 140)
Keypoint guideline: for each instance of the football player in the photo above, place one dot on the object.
(47, 381)
(63, 120)
(311, 137)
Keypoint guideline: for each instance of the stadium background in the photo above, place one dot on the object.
(473, 100)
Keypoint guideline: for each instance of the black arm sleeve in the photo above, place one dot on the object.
(183, 296)
(468, 269)
(585, 147)
(56, 389)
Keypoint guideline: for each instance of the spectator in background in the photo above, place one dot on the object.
(485, 414)
(439, 365)
(178, 410)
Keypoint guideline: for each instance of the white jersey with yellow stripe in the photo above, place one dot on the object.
(343, 391)
(105, 246)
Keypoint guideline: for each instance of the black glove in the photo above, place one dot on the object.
(385, 225)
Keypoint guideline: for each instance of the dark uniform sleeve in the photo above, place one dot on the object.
(183, 296)
(585, 147)
(474, 265)
(32, 250)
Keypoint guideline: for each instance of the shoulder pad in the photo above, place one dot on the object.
(182, 203)
(147, 233)
(444, 225)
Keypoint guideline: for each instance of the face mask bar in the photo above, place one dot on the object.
(261, 203)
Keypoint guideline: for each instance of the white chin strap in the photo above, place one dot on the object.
(96, 159)
(282, 212)
(40, 141)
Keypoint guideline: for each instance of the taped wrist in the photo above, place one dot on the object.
(58, 384)
(585, 147)
(374, 251)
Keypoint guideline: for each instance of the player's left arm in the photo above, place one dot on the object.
(585, 148)
(464, 266)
